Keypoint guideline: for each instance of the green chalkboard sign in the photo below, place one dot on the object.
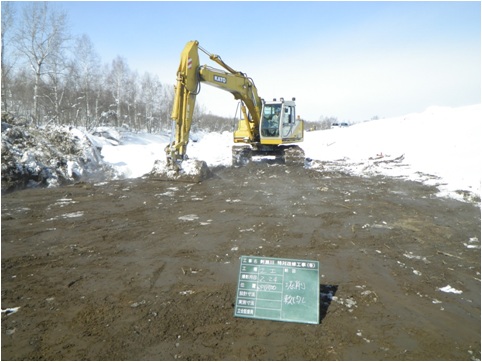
(278, 289)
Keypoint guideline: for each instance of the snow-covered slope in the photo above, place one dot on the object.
(441, 146)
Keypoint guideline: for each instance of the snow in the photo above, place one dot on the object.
(449, 289)
(136, 156)
(47, 156)
(440, 146)
(8, 311)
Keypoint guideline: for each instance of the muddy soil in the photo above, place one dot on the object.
(147, 270)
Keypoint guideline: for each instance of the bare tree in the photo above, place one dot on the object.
(166, 102)
(326, 122)
(118, 77)
(86, 66)
(58, 70)
(40, 36)
(55, 89)
(103, 98)
(132, 93)
(21, 87)
(151, 89)
(8, 13)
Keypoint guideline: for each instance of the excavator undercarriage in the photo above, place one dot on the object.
(291, 155)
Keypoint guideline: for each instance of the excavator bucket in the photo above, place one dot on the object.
(193, 171)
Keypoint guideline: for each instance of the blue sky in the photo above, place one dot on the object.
(352, 60)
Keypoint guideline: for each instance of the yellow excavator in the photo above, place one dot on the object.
(264, 128)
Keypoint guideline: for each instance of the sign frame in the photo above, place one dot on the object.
(278, 289)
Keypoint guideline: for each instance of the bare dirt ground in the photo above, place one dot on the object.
(147, 270)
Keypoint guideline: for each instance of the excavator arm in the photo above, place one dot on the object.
(187, 88)
(189, 77)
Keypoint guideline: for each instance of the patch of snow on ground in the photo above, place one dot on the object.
(449, 289)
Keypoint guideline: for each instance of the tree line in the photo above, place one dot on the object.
(51, 76)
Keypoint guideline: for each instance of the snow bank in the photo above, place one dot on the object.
(133, 160)
(440, 146)
(138, 152)
(49, 156)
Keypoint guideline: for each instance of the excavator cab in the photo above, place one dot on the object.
(271, 121)
(278, 129)
(279, 124)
